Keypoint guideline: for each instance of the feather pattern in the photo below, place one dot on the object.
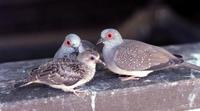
(60, 71)
(134, 55)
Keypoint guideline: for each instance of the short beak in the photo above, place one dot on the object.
(100, 41)
(101, 62)
(76, 50)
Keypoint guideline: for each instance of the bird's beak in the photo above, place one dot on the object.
(100, 41)
(76, 49)
(101, 62)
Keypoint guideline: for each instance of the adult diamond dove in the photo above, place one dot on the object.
(134, 58)
(66, 74)
(73, 45)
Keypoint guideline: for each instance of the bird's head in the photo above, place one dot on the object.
(110, 37)
(90, 57)
(72, 41)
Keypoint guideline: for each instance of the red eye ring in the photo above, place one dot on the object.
(109, 35)
(68, 43)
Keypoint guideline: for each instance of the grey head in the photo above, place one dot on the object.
(90, 58)
(110, 37)
(71, 43)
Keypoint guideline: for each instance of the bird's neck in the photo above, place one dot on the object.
(67, 49)
(114, 44)
(109, 50)
(90, 65)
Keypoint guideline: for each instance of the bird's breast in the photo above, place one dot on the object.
(108, 54)
(90, 74)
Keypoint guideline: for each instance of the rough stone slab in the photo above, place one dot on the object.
(167, 90)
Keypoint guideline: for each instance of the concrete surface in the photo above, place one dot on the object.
(174, 89)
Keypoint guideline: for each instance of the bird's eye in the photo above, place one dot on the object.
(92, 58)
(109, 36)
(68, 43)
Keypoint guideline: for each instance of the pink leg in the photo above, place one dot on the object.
(129, 78)
(81, 93)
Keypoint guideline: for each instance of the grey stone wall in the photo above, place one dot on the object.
(174, 89)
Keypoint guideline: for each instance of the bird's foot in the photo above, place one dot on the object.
(129, 78)
(81, 93)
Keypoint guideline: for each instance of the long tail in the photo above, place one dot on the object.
(20, 84)
(192, 66)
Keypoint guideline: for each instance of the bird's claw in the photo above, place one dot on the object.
(80, 93)
(129, 78)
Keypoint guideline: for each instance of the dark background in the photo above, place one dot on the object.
(31, 29)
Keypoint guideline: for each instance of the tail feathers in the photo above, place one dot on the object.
(192, 66)
(20, 84)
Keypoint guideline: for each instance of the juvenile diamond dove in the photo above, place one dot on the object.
(73, 45)
(134, 58)
(66, 74)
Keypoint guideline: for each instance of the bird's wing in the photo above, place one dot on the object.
(88, 45)
(58, 72)
(134, 55)
(76, 73)
(62, 53)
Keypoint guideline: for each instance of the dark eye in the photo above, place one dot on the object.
(109, 35)
(91, 58)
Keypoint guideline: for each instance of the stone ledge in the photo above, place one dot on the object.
(171, 89)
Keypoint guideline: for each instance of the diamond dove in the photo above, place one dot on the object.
(134, 58)
(66, 74)
(72, 46)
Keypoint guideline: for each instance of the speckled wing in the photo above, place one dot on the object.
(134, 55)
(59, 72)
